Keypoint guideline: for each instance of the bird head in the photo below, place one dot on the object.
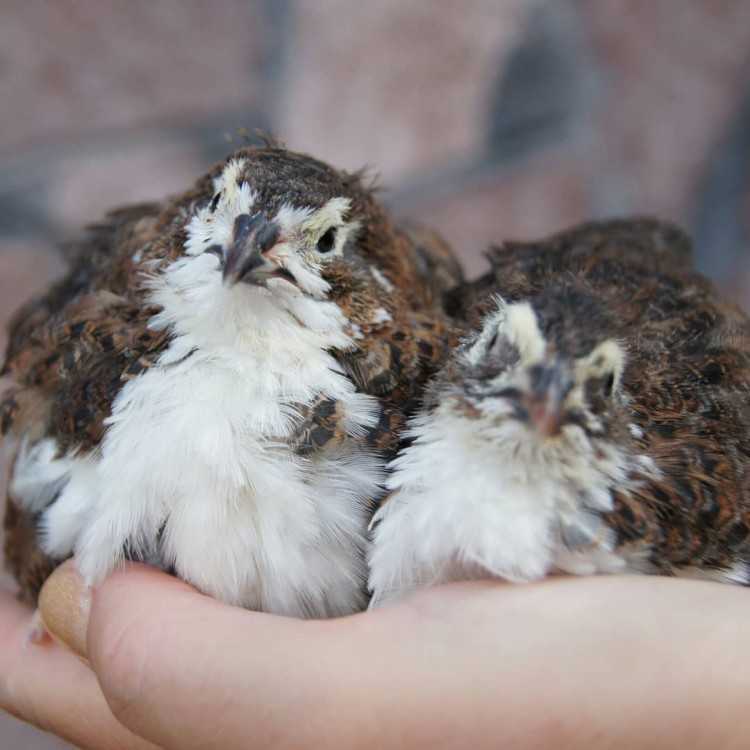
(272, 241)
(281, 221)
(539, 372)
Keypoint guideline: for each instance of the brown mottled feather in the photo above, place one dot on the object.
(23, 556)
(321, 426)
(436, 261)
(69, 352)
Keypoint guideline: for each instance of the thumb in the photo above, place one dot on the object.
(185, 671)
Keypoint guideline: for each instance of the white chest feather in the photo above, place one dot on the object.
(195, 472)
(465, 506)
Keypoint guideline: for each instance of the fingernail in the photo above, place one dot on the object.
(64, 605)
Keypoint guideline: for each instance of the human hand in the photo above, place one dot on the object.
(567, 663)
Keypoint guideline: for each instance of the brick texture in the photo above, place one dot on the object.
(674, 71)
(543, 198)
(72, 67)
(400, 86)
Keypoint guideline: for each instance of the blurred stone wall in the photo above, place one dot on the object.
(491, 119)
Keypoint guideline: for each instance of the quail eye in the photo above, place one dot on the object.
(609, 384)
(327, 241)
(599, 390)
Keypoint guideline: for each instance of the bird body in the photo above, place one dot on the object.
(215, 384)
(595, 419)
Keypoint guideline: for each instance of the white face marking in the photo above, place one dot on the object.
(302, 228)
(330, 216)
(522, 330)
(517, 324)
(229, 181)
(608, 357)
(491, 326)
(214, 227)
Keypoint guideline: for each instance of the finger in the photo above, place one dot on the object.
(46, 685)
(186, 671)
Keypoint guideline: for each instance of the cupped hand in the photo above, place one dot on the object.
(611, 662)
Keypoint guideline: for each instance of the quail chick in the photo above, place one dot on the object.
(214, 386)
(595, 419)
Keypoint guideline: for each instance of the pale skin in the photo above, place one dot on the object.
(603, 662)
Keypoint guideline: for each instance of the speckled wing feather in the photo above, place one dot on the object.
(397, 365)
(24, 557)
(97, 262)
(69, 353)
(687, 379)
(75, 346)
(436, 261)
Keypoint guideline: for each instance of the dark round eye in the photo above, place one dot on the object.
(327, 241)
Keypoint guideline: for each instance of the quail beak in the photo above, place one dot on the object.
(543, 403)
(250, 257)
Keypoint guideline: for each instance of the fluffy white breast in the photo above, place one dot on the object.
(466, 505)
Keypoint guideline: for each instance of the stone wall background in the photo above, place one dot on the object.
(491, 119)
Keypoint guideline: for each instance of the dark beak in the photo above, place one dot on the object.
(247, 259)
(543, 404)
